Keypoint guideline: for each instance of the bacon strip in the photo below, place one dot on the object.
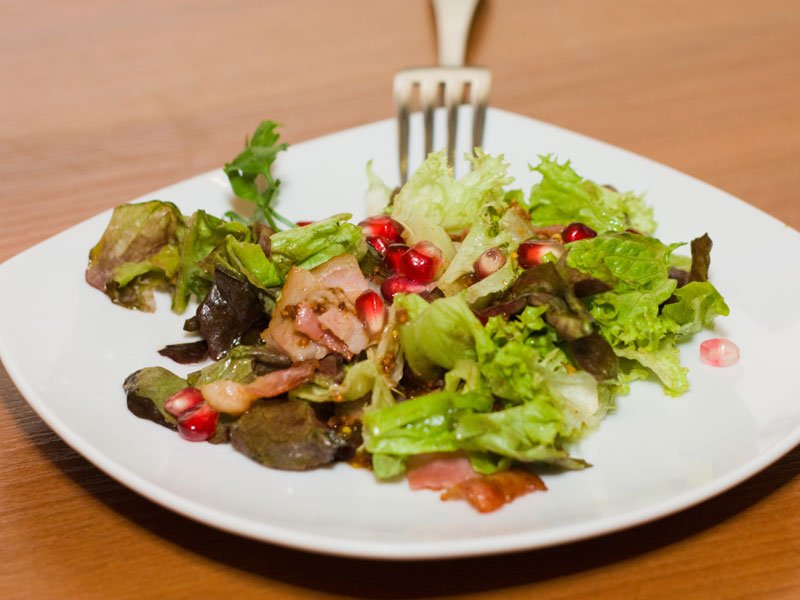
(487, 493)
(308, 323)
(453, 473)
(236, 398)
(439, 471)
(315, 314)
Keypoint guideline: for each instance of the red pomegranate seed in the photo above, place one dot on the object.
(380, 244)
(491, 261)
(183, 400)
(577, 231)
(719, 352)
(382, 226)
(198, 424)
(421, 262)
(393, 254)
(304, 223)
(397, 284)
(532, 252)
(371, 311)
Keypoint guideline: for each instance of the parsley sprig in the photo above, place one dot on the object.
(250, 175)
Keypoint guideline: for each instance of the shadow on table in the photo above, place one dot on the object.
(396, 579)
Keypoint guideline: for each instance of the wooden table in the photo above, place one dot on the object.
(104, 101)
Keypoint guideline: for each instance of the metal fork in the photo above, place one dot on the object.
(445, 85)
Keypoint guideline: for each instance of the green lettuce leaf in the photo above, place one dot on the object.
(696, 305)
(526, 433)
(663, 361)
(137, 253)
(433, 193)
(248, 259)
(436, 336)
(204, 233)
(310, 246)
(148, 389)
(498, 225)
(243, 363)
(644, 314)
(563, 197)
(417, 426)
(378, 193)
(361, 379)
(637, 268)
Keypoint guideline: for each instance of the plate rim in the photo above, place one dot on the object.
(394, 550)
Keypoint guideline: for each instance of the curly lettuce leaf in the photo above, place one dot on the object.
(663, 361)
(696, 305)
(138, 252)
(378, 193)
(433, 193)
(644, 313)
(498, 225)
(563, 197)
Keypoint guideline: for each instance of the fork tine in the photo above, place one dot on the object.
(435, 87)
(403, 135)
(429, 96)
(479, 98)
(402, 98)
(452, 98)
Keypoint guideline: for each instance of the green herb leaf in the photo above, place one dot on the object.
(250, 174)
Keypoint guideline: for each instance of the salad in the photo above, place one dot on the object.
(462, 337)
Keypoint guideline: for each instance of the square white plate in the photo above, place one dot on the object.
(68, 349)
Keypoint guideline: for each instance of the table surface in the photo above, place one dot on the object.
(105, 101)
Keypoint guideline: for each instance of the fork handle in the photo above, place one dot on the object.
(453, 19)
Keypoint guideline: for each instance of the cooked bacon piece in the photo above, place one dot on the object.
(345, 325)
(311, 324)
(342, 272)
(439, 471)
(487, 493)
(307, 322)
(281, 333)
(315, 314)
(235, 398)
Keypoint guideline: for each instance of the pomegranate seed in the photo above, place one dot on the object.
(382, 226)
(577, 231)
(421, 262)
(532, 252)
(397, 284)
(719, 352)
(198, 424)
(183, 400)
(393, 254)
(380, 244)
(304, 223)
(370, 309)
(489, 262)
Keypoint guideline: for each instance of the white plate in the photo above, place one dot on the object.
(68, 349)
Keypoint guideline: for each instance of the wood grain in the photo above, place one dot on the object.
(103, 102)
